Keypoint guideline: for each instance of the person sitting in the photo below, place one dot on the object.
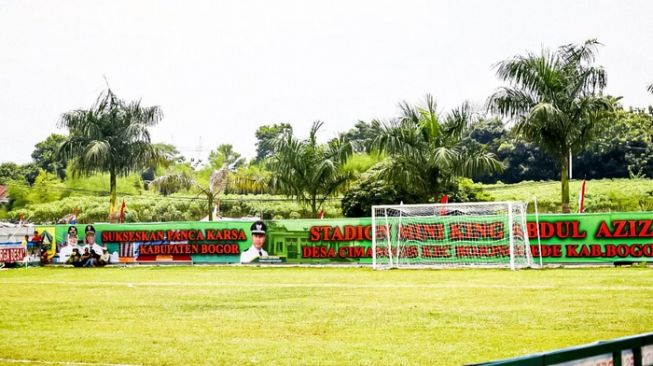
(45, 259)
(93, 248)
(75, 258)
(87, 258)
(104, 258)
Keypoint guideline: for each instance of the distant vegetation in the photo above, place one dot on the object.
(550, 108)
(602, 195)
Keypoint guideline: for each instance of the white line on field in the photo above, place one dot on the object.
(323, 285)
(11, 360)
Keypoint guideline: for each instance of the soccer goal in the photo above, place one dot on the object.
(484, 234)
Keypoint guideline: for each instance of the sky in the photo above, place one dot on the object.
(221, 69)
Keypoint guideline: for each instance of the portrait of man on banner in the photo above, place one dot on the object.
(256, 251)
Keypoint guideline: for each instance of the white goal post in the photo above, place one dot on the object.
(484, 234)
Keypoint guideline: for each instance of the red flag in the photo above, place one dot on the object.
(581, 198)
(444, 200)
(122, 212)
(321, 214)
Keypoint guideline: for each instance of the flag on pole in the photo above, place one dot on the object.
(320, 214)
(122, 212)
(581, 198)
(444, 200)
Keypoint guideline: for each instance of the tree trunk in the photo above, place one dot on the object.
(313, 206)
(113, 192)
(210, 198)
(564, 184)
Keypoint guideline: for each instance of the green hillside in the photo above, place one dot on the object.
(602, 195)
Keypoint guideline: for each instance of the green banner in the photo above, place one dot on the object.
(593, 238)
(570, 238)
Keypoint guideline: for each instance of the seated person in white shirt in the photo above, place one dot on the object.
(258, 230)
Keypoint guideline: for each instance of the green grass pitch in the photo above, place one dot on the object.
(233, 315)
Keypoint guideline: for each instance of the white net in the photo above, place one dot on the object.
(490, 234)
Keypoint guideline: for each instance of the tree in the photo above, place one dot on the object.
(266, 136)
(369, 190)
(46, 157)
(624, 149)
(26, 173)
(362, 135)
(225, 155)
(217, 184)
(426, 153)
(112, 136)
(10, 171)
(250, 179)
(309, 171)
(169, 154)
(555, 101)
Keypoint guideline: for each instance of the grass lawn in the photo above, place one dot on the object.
(217, 315)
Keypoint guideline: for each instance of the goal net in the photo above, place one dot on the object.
(489, 234)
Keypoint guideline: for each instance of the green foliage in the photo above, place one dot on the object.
(603, 195)
(624, 149)
(225, 155)
(113, 137)
(310, 172)
(266, 136)
(362, 135)
(21, 173)
(426, 152)
(46, 155)
(46, 188)
(269, 206)
(369, 190)
(250, 178)
(10, 171)
(18, 194)
(98, 184)
(360, 163)
(468, 191)
(555, 100)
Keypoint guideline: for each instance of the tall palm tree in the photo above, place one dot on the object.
(555, 100)
(309, 171)
(425, 152)
(112, 136)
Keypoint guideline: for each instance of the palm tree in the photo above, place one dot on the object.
(217, 185)
(309, 171)
(425, 152)
(112, 136)
(555, 101)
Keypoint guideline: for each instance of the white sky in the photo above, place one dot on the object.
(221, 69)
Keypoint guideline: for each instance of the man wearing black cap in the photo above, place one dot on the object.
(258, 230)
(91, 245)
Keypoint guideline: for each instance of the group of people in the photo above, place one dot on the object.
(92, 254)
(89, 255)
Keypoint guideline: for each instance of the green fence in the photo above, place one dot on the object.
(634, 350)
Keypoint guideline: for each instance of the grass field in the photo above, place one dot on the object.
(218, 315)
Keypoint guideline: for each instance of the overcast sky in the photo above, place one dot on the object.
(221, 69)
